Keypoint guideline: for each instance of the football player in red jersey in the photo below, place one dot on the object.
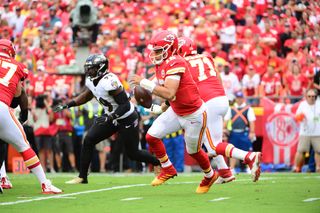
(12, 73)
(211, 91)
(187, 111)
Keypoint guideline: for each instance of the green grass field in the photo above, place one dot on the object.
(131, 193)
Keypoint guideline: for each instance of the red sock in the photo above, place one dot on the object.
(30, 158)
(224, 173)
(156, 146)
(202, 158)
(225, 149)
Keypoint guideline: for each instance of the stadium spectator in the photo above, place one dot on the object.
(295, 83)
(270, 84)
(308, 114)
(230, 81)
(250, 86)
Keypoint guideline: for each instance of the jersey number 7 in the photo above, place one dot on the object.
(12, 68)
(200, 63)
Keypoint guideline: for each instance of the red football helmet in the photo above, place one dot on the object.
(163, 45)
(186, 47)
(7, 47)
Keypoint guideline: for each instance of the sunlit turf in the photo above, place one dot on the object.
(276, 192)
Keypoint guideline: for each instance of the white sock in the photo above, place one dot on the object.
(209, 174)
(166, 164)
(3, 172)
(238, 154)
(221, 163)
(38, 171)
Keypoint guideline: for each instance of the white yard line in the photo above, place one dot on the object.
(131, 198)
(311, 199)
(70, 194)
(219, 199)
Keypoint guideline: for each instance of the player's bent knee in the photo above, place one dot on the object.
(151, 140)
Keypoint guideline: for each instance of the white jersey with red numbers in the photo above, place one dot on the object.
(11, 73)
(187, 98)
(206, 76)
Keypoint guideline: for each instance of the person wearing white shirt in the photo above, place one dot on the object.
(308, 114)
(250, 86)
(230, 82)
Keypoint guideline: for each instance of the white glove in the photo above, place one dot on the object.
(155, 109)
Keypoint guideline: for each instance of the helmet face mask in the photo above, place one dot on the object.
(7, 48)
(163, 45)
(186, 47)
(96, 66)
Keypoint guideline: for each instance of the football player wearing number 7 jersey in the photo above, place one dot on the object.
(120, 115)
(211, 91)
(12, 73)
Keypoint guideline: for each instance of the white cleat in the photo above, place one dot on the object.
(5, 183)
(48, 188)
(255, 167)
(222, 180)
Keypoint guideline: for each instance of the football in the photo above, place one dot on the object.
(143, 96)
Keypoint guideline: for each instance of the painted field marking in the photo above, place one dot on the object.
(131, 198)
(311, 199)
(219, 199)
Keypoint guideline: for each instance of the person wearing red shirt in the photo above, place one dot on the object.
(212, 92)
(295, 83)
(259, 61)
(270, 84)
(12, 74)
(187, 111)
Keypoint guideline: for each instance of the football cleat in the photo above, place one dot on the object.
(78, 180)
(156, 170)
(5, 183)
(48, 188)
(225, 176)
(206, 183)
(165, 174)
(253, 160)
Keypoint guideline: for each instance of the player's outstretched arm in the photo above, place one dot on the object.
(85, 96)
(168, 91)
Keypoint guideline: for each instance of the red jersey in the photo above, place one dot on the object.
(270, 83)
(11, 72)
(206, 76)
(296, 84)
(187, 98)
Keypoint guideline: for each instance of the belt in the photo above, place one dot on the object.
(239, 130)
(175, 134)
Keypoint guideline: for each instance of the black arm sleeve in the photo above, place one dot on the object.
(15, 102)
(124, 104)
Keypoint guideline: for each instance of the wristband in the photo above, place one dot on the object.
(147, 84)
(71, 104)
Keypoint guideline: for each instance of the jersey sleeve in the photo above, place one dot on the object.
(175, 67)
(111, 82)
(24, 71)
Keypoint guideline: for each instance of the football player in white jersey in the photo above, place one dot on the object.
(120, 115)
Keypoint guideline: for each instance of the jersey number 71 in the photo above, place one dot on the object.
(200, 63)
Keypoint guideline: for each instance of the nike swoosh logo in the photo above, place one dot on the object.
(127, 126)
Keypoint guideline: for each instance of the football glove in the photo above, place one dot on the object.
(60, 107)
(155, 109)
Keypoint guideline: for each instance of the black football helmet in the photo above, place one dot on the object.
(96, 65)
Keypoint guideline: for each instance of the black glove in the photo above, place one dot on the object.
(103, 119)
(60, 107)
(23, 116)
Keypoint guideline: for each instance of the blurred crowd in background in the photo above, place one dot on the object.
(262, 47)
